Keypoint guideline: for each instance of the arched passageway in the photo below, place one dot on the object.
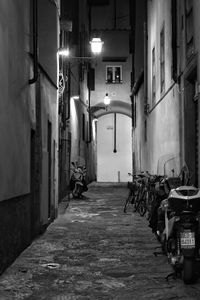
(114, 148)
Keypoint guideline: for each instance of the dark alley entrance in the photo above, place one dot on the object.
(94, 251)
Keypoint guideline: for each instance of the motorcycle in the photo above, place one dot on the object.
(77, 181)
(179, 230)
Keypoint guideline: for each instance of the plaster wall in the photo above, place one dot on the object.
(49, 113)
(139, 21)
(115, 45)
(83, 146)
(20, 212)
(196, 4)
(163, 137)
(159, 15)
(163, 122)
(114, 167)
(48, 14)
(17, 98)
(104, 16)
(15, 111)
(139, 142)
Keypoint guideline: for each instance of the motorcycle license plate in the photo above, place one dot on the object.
(187, 239)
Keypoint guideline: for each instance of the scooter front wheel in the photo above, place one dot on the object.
(74, 194)
(188, 270)
(77, 192)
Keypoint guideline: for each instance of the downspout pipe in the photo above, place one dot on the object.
(89, 89)
(174, 39)
(115, 134)
(145, 63)
(68, 92)
(115, 15)
(89, 117)
(35, 43)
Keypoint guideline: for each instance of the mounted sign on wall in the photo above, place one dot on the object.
(61, 84)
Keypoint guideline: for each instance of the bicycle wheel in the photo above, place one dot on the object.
(149, 203)
(137, 198)
(128, 201)
(142, 208)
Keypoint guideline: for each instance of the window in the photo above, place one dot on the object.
(162, 59)
(189, 28)
(153, 76)
(113, 74)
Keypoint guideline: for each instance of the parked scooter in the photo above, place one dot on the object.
(77, 182)
(180, 233)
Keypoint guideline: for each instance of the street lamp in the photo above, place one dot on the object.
(63, 52)
(106, 100)
(96, 45)
(96, 48)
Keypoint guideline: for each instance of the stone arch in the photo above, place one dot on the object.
(116, 106)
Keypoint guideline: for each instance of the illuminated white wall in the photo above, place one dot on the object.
(114, 167)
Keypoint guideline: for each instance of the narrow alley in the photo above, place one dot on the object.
(94, 251)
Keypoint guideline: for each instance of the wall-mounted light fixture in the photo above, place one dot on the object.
(106, 100)
(63, 52)
(96, 45)
(96, 48)
(76, 97)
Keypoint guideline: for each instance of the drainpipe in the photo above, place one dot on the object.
(89, 90)
(174, 39)
(115, 134)
(35, 44)
(89, 117)
(145, 69)
(115, 15)
(68, 92)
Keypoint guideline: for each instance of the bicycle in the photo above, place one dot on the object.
(134, 188)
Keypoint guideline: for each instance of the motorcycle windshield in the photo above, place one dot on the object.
(176, 170)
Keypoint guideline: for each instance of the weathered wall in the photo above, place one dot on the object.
(188, 68)
(49, 113)
(82, 143)
(14, 99)
(48, 14)
(15, 229)
(139, 143)
(20, 206)
(140, 20)
(163, 124)
(197, 45)
(116, 92)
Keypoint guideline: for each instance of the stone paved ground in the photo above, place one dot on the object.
(94, 251)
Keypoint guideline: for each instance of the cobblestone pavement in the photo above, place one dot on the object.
(94, 251)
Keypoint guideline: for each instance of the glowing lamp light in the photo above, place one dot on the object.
(63, 52)
(76, 97)
(96, 45)
(106, 100)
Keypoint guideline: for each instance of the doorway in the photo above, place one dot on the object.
(114, 144)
